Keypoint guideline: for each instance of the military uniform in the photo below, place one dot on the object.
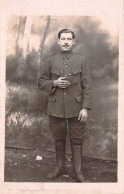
(64, 105)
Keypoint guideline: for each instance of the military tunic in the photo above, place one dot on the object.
(66, 103)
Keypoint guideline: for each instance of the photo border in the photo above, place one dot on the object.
(62, 7)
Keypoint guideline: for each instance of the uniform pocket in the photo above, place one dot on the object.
(76, 74)
(56, 69)
(51, 98)
(76, 69)
(56, 72)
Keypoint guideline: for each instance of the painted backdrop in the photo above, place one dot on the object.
(29, 41)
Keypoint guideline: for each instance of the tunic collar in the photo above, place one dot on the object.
(66, 54)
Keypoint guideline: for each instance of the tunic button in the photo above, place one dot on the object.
(65, 75)
(65, 93)
(65, 66)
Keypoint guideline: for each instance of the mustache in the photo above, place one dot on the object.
(66, 45)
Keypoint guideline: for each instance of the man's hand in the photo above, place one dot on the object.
(83, 115)
(61, 82)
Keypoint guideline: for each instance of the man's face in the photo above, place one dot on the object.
(66, 41)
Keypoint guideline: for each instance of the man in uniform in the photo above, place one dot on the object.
(66, 79)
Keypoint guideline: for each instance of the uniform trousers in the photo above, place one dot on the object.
(59, 128)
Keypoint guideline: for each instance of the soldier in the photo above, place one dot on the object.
(66, 79)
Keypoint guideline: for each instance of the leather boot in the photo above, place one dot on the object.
(60, 159)
(77, 162)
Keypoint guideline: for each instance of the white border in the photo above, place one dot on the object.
(62, 7)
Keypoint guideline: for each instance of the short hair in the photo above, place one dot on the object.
(66, 31)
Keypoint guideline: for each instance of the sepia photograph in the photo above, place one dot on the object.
(61, 82)
(61, 99)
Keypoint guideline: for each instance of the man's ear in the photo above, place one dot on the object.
(73, 41)
(58, 41)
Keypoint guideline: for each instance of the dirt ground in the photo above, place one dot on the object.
(21, 166)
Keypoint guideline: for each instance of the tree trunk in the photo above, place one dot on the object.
(20, 32)
(17, 35)
(42, 46)
(26, 36)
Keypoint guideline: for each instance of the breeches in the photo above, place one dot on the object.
(59, 127)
